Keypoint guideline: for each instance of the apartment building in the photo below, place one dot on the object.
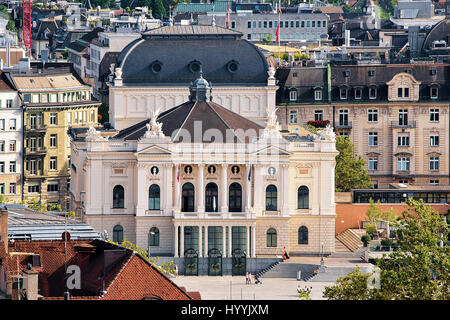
(53, 100)
(396, 115)
(10, 141)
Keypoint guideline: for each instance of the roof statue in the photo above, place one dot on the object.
(272, 128)
(271, 73)
(327, 134)
(154, 129)
(94, 135)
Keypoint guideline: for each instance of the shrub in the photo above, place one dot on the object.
(386, 242)
(371, 229)
(366, 238)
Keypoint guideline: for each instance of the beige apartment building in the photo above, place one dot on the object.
(396, 116)
(53, 100)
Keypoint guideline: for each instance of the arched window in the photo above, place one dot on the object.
(118, 234)
(303, 197)
(188, 196)
(271, 238)
(118, 197)
(153, 197)
(271, 198)
(153, 237)
(235, 197)
(211, 203)
(303, 235)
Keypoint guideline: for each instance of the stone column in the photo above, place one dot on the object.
(284, 190)
(175, 253)
(224, 240)
(259, 191)
(168, 203)
(200, 242)
(177, 200)
(248, 188)
(224, 192)
(182, 241)
(229, 241)
(142, 190)
(201, 188)
(248, 241)
(206, 240)
(253, 242)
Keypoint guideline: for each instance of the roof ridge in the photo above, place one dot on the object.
(120, 270)
(185, 120)
(226, 124)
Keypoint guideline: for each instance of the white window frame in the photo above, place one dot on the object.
(373, 164)
(433, 138)
(373, 139)
(318, 95)
(403, 141)
(318, 115)
(431, 93)
(370, 91)
(358, 97)
(293, 95)
(374, 114)
(403, 164)
(434, 114)
(293, 116)
(434, 163)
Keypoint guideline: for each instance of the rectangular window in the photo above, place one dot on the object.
(249, 24)
(403, 141)
(265, 24)
(270, 24)
(9, 103)
(53, 187)
(2, 124)
(12, 145)
(2, 188)
(12, 188)
(52, 163)
(53, 141)
(372, 93)
(233, 24)
(259, 24)
(313, 24)
(2, 166)
(403, 117)
(254, 24)
(69, 117)
(303, 24)
(2, 145)
(343, 92)
(434, 163)
(27, 97)
(293, 95)
(434, 140)
(318, 95)
(297, 24)
(12, 166)
(34, 188)
(434, 115)
(358, 93)
(293, 117)
(434, 182)
(318, 24)
(373, 164)
(434, 93)
(343, 134)
(33, 168)
(406, 92)
(403, 164)
(372, 115)
(308, 24)
(12, 124)
(53, 118)
(343, 117)
(318, 115)
(373, 139)
(292, 24)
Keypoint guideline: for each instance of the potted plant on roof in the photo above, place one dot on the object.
(365, 239)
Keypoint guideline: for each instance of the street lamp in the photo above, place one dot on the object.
(148, 247)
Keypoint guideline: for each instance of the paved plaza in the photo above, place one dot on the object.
(234, 288)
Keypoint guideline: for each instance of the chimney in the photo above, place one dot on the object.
(24, 65)
(30, 283)
(4, 227)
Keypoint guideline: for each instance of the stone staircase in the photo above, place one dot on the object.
(350, 239)
(261, 272)
(340, 247)
(289, 270)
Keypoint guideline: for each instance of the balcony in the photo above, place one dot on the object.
(345, 125)
(38, 128)
(214, 215)
(409, 124)
(35, 151)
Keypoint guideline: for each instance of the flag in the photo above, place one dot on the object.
(178, 172)
(278, 32)
(228, 15)
(250, 173)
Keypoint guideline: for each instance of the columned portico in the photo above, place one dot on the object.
(168, 207)
(177, 201)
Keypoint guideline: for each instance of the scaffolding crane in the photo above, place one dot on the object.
(26, 20)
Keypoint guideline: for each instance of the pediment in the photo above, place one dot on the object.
(272, 150)
(154, 150)
(403, 79)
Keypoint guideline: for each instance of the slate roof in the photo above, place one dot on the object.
(184, 117)
(213, 47)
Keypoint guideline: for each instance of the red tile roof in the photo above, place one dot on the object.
(104, 266)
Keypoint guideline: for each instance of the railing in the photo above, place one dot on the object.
(397, 124)
(346, 125)
(37, 150)
(214, 215)
(41, 127)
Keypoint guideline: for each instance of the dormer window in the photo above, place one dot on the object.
(358, 93)
(403, 92)
(293, 95)
(371, 73)
(346, 73)
(372, 93)
(343, 93)
(433, 72)
(433, 92)
(318, 95)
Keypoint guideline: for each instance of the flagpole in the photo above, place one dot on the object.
(279, 29)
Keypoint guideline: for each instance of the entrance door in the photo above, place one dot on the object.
(214, 262)
(190, 262)
(239, 262)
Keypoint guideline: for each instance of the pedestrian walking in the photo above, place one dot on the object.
(247, 278)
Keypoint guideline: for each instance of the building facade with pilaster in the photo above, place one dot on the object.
(207, 187)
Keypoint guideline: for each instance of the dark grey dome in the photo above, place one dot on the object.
(176, 59)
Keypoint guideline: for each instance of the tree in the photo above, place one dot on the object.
(350, 172)
(158, 11)
(418, 270)
(10, 26)
(166, 268)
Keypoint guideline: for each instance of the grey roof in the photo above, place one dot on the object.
(191, 30)
(175, 53)
(27, 224)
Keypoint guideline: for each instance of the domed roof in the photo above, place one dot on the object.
(175, 58)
